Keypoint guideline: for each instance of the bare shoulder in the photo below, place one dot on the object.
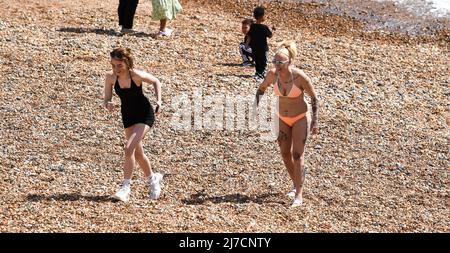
(301, 75)
(110, 77)
(143, 76)
(299, 72)
(137, 73)
(109, 74)
(272, 71)
(270, 76)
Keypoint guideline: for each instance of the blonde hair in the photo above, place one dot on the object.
(288, 48)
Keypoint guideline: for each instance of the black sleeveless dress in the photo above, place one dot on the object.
(135, 107)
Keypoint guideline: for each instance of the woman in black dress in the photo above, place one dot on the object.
(137, 117)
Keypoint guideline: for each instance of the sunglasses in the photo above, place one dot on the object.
(279, 62)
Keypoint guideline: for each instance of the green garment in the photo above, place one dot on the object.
(163, 9)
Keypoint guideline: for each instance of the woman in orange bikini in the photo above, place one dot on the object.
(290, 83)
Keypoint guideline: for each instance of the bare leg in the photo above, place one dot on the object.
(299, 135)
(285, 144)
(134, 135)
(143, 160)
(162, 24)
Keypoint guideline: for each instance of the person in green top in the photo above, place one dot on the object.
(164, 10)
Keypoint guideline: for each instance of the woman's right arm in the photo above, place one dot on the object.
(108, 92)
(270, 78)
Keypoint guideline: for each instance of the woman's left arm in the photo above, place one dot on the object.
(149, 78)
(307, 86)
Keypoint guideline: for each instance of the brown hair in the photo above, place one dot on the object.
(123, 54)
(248, 21)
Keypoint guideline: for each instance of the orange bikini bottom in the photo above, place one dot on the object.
(290, 121)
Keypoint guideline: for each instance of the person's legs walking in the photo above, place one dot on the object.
(163, 29)
(121, 11)
(133, 135)
(264, 59)
(285, 143)
(129, 13)
(258, 63)
(299, 136)
(162, 24)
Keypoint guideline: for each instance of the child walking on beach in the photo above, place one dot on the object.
(244, 50)
(257, 40)
(164, 10)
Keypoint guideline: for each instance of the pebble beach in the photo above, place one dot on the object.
(379, 164)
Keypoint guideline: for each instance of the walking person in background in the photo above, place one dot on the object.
(290, 84)
(137, 117)
(257, 40)
(164, 10)
(244, 50)
(126, 10)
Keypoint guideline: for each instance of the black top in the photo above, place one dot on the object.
(258, 37)
(130, 96)
(135, 107)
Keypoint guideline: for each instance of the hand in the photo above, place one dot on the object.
(314, 127)
(158, 107)
(110, 106)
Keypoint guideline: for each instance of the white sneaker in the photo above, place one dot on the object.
(291, 194)
(123, 194)
(166, 32)
(155, 185)
(297, 203)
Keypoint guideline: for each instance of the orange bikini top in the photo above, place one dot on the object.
(293, 93)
